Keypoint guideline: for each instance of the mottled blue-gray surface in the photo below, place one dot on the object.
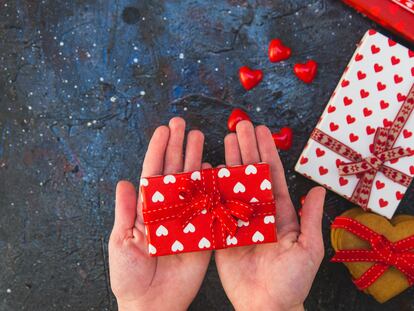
(82, 85)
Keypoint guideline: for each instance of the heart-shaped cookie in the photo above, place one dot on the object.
(392, 282)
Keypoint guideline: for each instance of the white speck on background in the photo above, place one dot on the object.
(181, 56)
(142, 93)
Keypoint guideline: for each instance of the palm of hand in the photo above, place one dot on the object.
(138, 280)
(275, 276)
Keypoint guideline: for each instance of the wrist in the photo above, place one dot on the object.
(298, 307)
(137, 306)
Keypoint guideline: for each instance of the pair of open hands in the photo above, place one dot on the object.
(274, 276)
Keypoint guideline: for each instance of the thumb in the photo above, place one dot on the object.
(125, 207)
(311, 219)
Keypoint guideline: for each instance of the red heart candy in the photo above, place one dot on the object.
(382, 203)
(278, 51)
(307, 71)
(235, 117)
(322, 170)
(412, 169)
(249, 78)
(283, 138)
(384, 104)
(379, 184)
(344, 83)
(378, 68)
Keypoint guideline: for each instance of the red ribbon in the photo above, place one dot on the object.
(383, 151)
(198, 196)
(406, 4)
(383, 253)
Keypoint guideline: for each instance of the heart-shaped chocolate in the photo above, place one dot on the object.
(249, 78)
(278, 51)
(283, 138)
(235, 117)
(307, 71)
(393, 281)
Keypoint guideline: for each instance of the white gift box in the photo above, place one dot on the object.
(375, 85)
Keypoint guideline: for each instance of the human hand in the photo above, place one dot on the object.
(274, 276)
(141, 282)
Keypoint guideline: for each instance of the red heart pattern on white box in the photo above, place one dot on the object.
(369, 95)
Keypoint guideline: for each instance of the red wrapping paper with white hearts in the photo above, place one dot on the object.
(362, 145)
(208, 209)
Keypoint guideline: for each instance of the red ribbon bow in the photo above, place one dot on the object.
(383, 151)
(197, 197)
(383, 252)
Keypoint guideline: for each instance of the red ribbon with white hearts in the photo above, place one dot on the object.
(383, 151)
(201, 195)
(383, 253)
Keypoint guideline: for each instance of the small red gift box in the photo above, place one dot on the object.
(208, 209)
(396, 15)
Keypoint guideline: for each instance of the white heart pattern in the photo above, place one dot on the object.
(157, 197)
(241, 223)
(204, 243)
(231, 240)
(254, 200)
(169, 179)
(270, 219)
(223, 172)
(265, 185)
(161, 230)
(189, 228)
(196, 175)
(257, 237)
(151, 249)
(239, 187)
(250, 169)
(177, 246)
(143, 182)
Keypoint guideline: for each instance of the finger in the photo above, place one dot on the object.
(247, 142)
(232, 150)
(125, 207)
(154, 158)
(311, 220)
(206, 165)
(174, 154)
(194, 151)
(286, 214)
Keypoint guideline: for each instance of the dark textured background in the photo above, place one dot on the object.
(82, 85)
